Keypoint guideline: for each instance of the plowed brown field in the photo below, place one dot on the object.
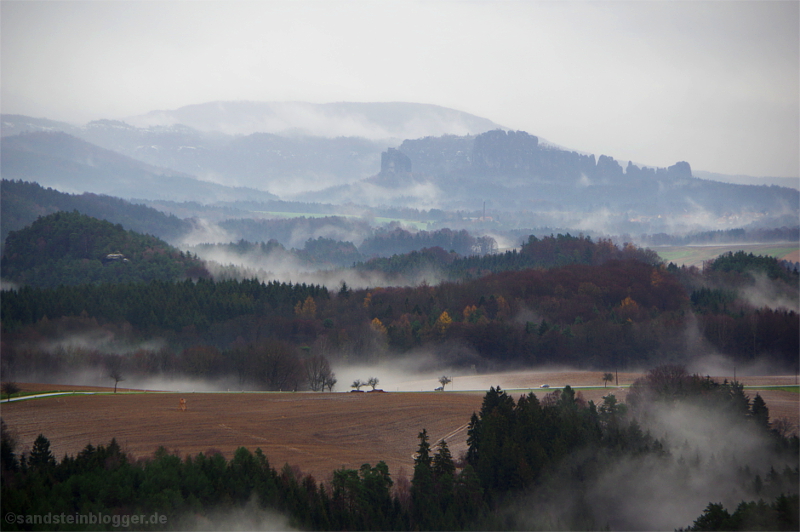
(315, 431)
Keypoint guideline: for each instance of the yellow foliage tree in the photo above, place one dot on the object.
(306, 309)
(443, 322)
(378, 326)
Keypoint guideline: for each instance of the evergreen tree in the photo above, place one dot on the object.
(41, 458)
(425, 511)
(760, 412)
(443, 461)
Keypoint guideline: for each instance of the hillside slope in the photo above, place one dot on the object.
(70, 164)
(71, 248)
(22, 202)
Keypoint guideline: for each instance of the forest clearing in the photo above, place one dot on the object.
(316, 432)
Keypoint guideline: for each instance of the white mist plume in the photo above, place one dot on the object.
(250, 517)
(417, 371)
(205, 232)
(99, 375)
(656, 492)
(721, 365)
(100, 340)
(766, 293)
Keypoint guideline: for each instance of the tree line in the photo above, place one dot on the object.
(610, 314)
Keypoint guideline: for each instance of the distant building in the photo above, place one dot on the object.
(114, 257)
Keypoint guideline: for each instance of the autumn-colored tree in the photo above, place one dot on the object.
(377, 326)
(442, 323)
(306, 309)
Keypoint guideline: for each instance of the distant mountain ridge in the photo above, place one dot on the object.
(369, 120)
(297, 155)
(510, 171)
(59, 160)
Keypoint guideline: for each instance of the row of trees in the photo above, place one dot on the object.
(358, 383)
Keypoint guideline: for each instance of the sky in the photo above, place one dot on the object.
(716, 84)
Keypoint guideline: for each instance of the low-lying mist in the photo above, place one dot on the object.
(285, 268)
(709, 456)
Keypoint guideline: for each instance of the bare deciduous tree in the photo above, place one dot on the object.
(317, 371)
(117, 376)
(330, 381)
(372, 381)
(114, 365)
(9, 389)
(444, 381)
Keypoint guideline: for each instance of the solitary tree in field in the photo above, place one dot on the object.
(607, 377)
(357, 384)
(117, 376)
(372, 381)
(444, 381)
(10, 388)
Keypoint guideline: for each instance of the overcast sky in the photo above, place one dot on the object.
(712, 83)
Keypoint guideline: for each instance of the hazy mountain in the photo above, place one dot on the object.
(510, 171)
(375, 121)
(262, 160)
(739, 179)
(16, 124)
(73, 165)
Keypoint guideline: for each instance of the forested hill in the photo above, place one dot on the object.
(72, 248)
(547, 252)
(22, 202)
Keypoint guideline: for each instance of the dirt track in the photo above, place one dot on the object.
(317, 432)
